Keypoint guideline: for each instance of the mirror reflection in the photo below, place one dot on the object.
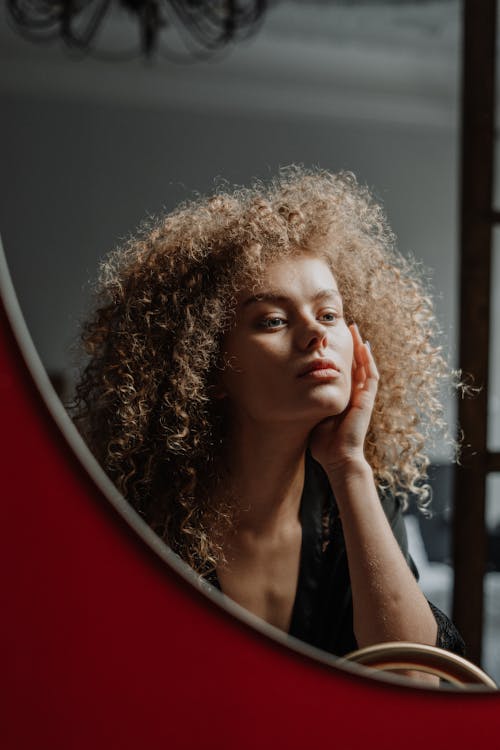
(210, 314)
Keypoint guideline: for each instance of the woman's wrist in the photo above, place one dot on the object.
(351, 467)
(354, 487)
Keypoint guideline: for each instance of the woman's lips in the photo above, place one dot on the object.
(320, 369)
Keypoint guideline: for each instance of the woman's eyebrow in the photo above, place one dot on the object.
(278, 296)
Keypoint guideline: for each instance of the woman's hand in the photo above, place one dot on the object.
(387, 602)
(338, 441)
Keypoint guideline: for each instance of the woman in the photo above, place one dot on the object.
(233, 397)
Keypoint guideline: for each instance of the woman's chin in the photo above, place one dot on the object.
(325, 407)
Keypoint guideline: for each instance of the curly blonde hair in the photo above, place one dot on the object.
(165, 300)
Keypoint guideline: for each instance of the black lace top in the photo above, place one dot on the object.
(322, 612)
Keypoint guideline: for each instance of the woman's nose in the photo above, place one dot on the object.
(313, 335)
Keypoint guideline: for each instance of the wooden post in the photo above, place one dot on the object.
(477, 154)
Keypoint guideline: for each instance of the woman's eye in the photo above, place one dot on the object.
(329, 317)
(273, 323)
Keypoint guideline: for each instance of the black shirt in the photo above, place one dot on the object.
(322, 612)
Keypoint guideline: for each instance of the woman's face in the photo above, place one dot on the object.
(288, 356)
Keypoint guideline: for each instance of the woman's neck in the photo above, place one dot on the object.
(266, 475)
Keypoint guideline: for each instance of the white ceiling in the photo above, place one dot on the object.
(379, 61)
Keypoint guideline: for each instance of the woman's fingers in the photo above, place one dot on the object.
(371, 367)
(365, 373)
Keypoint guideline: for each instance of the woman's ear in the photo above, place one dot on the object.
(217, 392)
(216, 389)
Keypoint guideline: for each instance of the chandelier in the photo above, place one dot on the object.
(177, 29)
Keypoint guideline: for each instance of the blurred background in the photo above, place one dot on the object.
(89, 148)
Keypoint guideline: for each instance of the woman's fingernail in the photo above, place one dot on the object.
(368, 345)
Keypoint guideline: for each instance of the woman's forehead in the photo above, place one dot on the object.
(303, 274)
